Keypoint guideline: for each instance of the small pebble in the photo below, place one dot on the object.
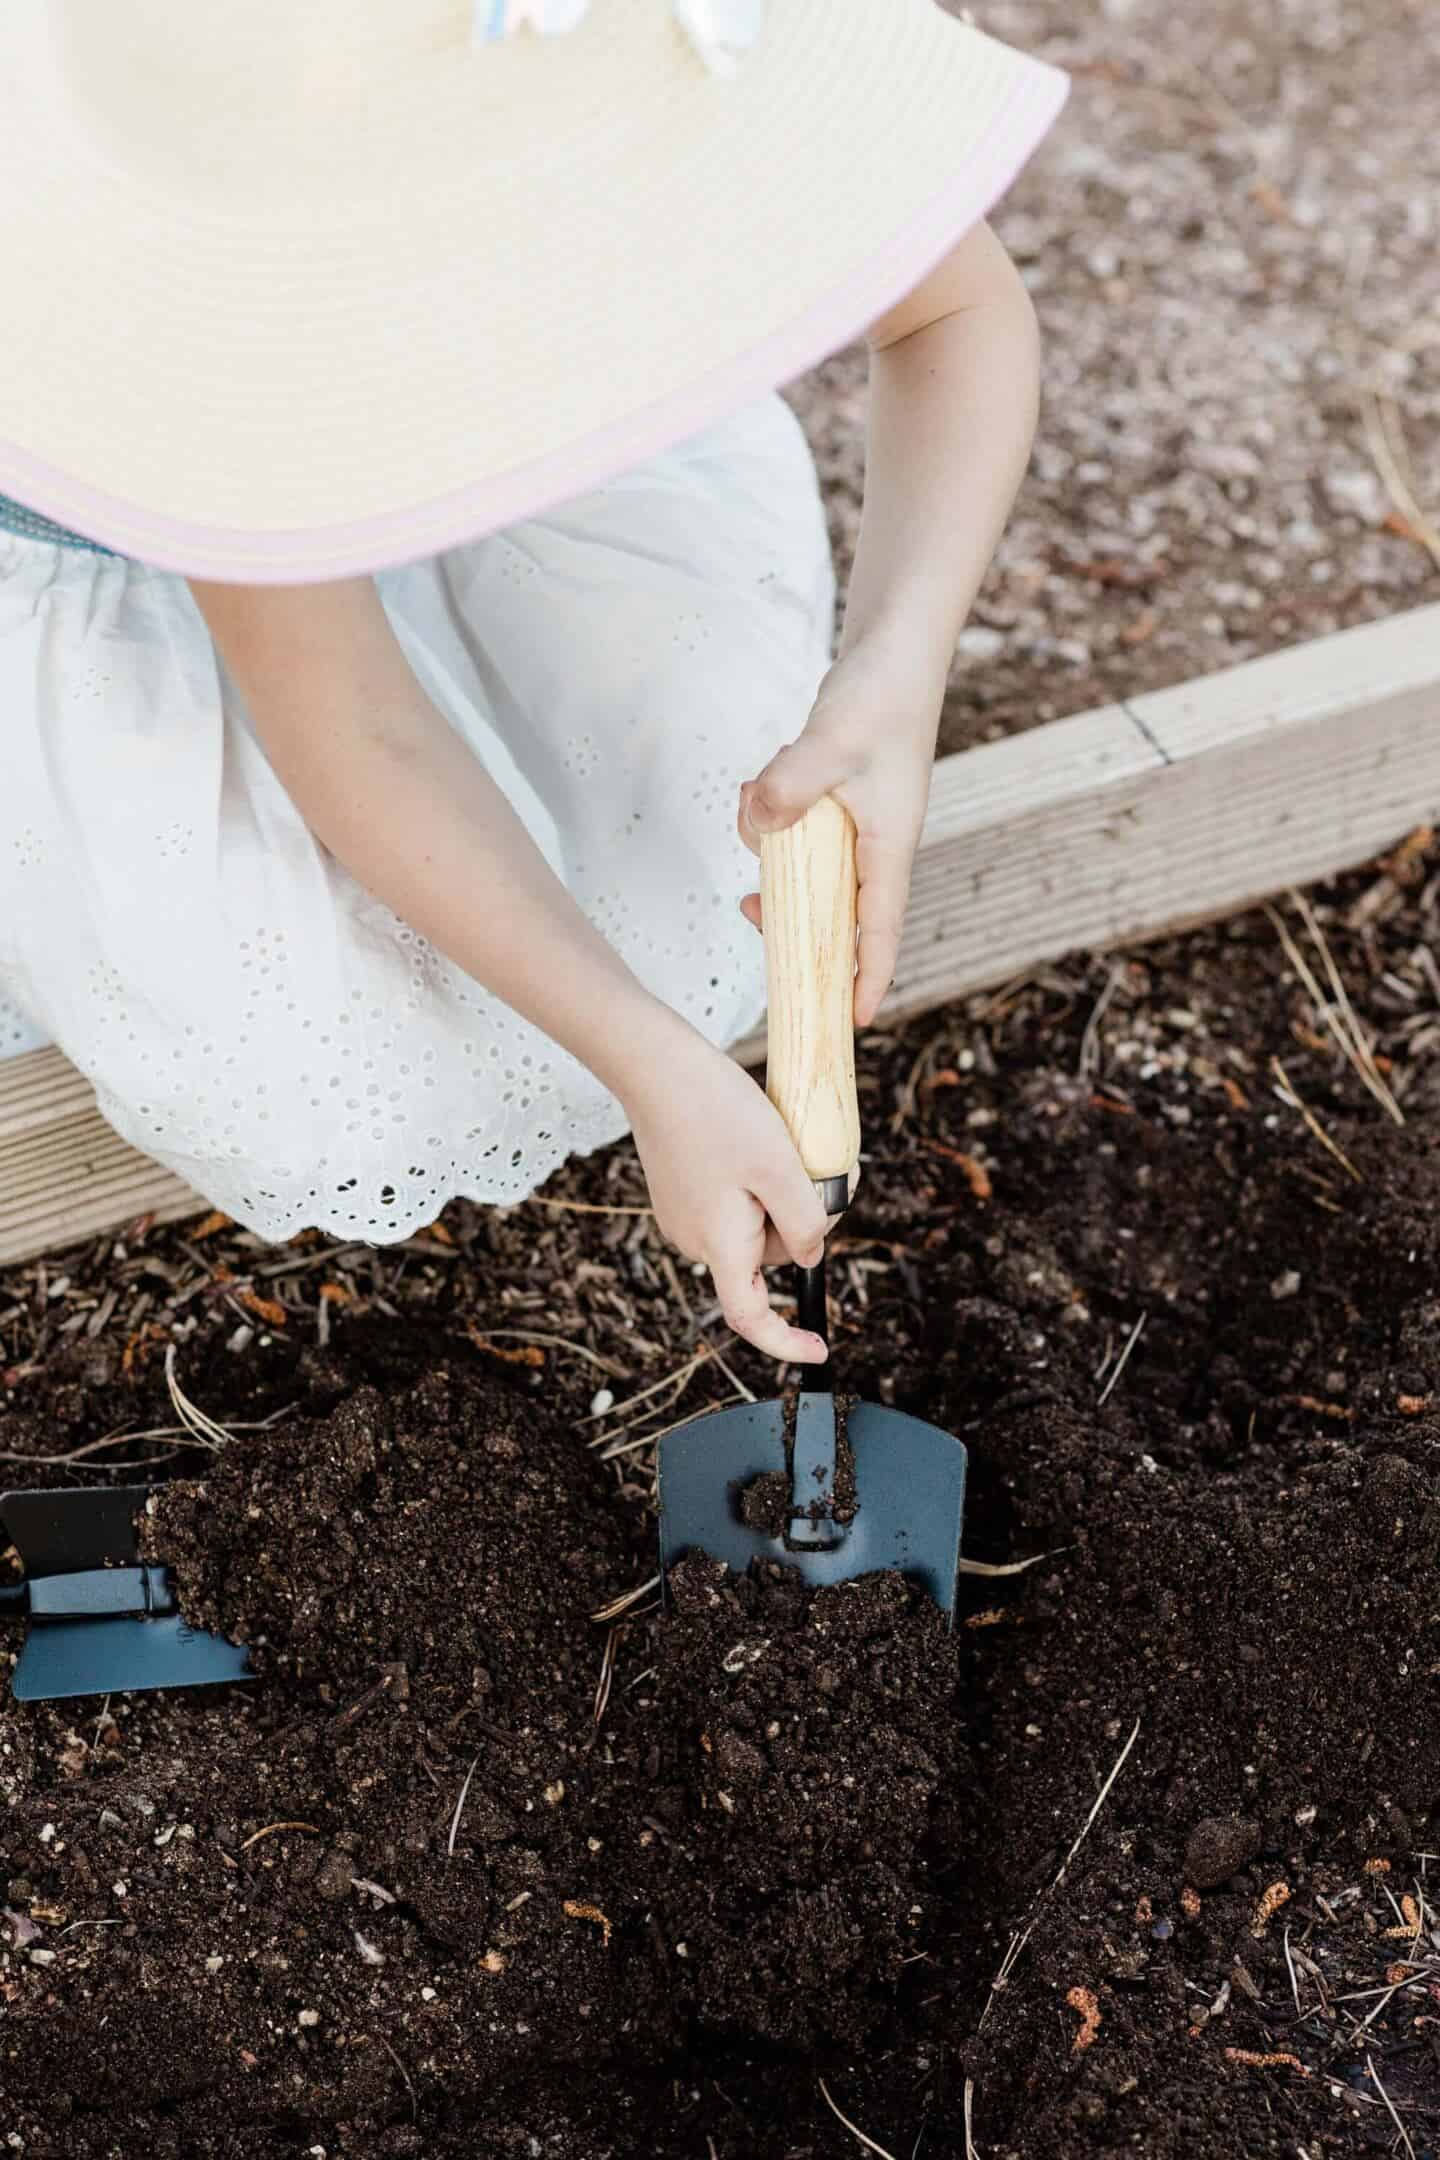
(1286, 1285)
(1218, 1847)
(1355, 491)
(309, 2017)
(602, 1400)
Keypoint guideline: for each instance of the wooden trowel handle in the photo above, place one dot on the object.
(808, 900)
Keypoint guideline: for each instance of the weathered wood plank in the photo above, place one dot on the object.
(1101, 830)
(64, 1173)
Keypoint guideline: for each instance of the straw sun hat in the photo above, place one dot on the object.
(298, 289)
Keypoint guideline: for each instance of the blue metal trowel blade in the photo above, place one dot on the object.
(909, 1484)
(101, 1621)
(119, 1656)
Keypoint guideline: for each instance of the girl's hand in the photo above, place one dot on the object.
(727, 1185)
(869, 742)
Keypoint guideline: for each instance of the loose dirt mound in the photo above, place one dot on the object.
(412, 1848)
(1197, 1362)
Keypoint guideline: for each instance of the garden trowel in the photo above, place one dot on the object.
(102, 1620)
(755, 1483)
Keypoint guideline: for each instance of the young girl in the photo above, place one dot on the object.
(408, 573)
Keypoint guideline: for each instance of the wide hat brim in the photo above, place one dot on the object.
(307, 336)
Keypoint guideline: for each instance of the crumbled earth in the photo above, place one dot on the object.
(1139, 1857)
(413, 1846)
(1231, 239)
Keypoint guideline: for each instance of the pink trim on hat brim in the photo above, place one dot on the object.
(303, 556)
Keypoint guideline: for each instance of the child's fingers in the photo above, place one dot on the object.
(745, 1302)
(736, 1255)
(794, 1208)
(750, 909)
(884, 888)
(775, 1252)
(795, 777)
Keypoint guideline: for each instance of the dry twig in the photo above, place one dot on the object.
(1011, 1567)
(1374, 2076)
(627, 1598)
(1336, 1011)
(1385, 440)
(970, 2152)
(271, 1829)
(587, 1207)
(560, 1342)
(1289, 1095)
(607, 1673)
(1018, 1942)
(854, 2128)
(198, 1423)
(1122, 1361)
(460, 1809)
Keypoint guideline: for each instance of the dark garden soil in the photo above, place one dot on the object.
(467, 1871)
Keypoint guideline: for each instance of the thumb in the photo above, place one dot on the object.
(795, 778)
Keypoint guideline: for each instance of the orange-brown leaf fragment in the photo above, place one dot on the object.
(509, 1353)
(1396, 522)
(264, 1308)
(1412, 1405)
(1141, 629)
(1277, 1895)
(1083, 2000)
(335, 1293)
(1190, 1903)
(214, 1221)
(1282, 2059)
(977, 1177)
(1406, 863)
(578, 1911)
(1321, 1409)
(1411, 1930)
(1271, 201)
(1376, 1867)
(140, 1347)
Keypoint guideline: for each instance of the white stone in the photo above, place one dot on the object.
(1356, 491)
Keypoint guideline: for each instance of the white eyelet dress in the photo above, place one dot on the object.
(247, 1012)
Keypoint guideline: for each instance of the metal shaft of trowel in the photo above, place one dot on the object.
(812, 1464)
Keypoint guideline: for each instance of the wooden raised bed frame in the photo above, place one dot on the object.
(1101, 830)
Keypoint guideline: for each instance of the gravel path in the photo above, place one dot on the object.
(1233, 240)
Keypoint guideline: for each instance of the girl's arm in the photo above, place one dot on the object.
(954, 387)
(954, 397)
(387, 785)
